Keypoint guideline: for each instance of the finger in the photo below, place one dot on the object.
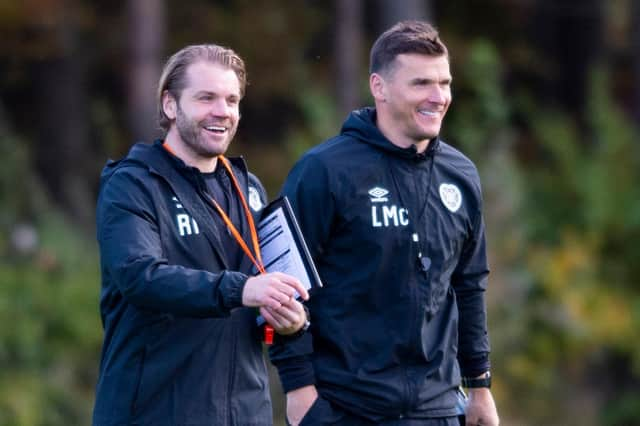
(293, 310)
(278, 290)
(272, 301)
(273, 295)
(287, 315)
(282, 293)
(270, 318)
(282, 320)
(283, 316)
(295, 284)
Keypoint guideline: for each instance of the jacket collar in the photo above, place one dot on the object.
(361, 124)
(187, 184)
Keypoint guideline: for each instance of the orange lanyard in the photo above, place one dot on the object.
(257, 259)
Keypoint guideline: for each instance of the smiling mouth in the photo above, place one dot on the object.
(216, 129)
(428, 113)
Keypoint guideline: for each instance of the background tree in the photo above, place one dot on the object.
(349, 55)
(545, 102)
(147, 33)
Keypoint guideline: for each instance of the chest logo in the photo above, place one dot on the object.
(451, 197)
(385, 215)
(378, 195)
(254, 199)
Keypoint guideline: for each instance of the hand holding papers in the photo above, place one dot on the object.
(282, 245)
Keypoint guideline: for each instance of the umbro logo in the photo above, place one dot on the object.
(378, 195)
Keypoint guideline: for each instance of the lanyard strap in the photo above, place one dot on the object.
(257, 259)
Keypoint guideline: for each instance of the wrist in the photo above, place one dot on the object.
(481, 381)
(307, 391)
(303, 328)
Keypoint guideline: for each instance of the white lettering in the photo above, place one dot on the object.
(404, 217)
(184, 226)
(390, 213)
(391, 216)
(196, 230)
(374, 218)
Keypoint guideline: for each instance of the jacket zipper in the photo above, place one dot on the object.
(422, 251)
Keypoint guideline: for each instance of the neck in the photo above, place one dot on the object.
(396, 137)
(181, 150)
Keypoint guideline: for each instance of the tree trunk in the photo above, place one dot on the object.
(570, 41)
(147, 30)
(348, 55)
(635, 52)
(62, 151)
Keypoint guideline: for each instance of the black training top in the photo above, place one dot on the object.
(398, 239)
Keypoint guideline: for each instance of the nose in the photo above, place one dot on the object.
(438, 94)
(220, 108)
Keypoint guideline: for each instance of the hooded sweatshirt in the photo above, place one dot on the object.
(398, 240)
(179, 348)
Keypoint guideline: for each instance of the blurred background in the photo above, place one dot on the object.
(546, 103)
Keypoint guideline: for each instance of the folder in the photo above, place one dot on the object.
(282, 244)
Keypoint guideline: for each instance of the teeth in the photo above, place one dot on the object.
(428, 113)
(216, 128)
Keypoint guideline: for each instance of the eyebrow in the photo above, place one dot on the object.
(210, 93)
(429, 80)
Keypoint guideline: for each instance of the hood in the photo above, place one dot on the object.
(361, 124)
(160, 162)
(153, 158)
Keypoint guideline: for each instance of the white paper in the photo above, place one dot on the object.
(280, 253)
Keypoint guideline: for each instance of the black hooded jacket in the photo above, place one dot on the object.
(398, 239)
(179, 348)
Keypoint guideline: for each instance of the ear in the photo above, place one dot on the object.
(169, 105)
(377, 85)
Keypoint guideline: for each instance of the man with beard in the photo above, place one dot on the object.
(399, 245)
(178, 246)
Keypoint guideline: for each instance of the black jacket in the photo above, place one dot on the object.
(178, 347)
(398, 239)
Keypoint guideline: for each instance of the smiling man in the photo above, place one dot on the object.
(399, 244)
(178, 255)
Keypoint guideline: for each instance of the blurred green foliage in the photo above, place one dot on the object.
(581, 216)
(49, 332)
(562, 205)
(563, 228)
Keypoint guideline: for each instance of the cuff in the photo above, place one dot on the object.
(231, 289)
(296, 373)
(475, 365)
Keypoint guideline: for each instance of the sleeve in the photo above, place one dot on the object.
(307, 188)
(134, 264)
(470, 282)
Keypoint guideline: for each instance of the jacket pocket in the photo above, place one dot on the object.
(321, 413)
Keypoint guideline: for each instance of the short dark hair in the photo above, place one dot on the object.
(174, 71)
(405, 37)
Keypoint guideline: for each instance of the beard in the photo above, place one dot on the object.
(191, 133)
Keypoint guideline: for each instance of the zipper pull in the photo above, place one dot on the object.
(425, 262)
